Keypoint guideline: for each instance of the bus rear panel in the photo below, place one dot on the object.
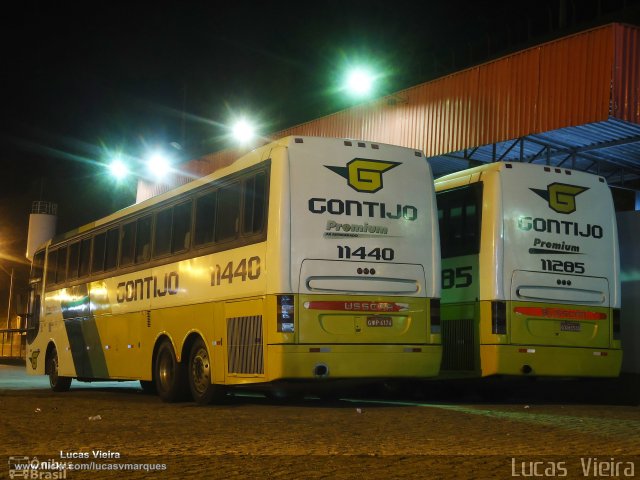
(363, 272)
(530, 273)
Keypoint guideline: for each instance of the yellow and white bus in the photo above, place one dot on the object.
(307, 259)
(530, 279)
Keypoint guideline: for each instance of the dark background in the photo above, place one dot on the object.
(81, 81)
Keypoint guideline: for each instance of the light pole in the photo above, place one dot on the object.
(9, 306)
(10, 294)
(6, 334)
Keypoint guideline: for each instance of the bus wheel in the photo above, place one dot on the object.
(57, 383)
(170, 375)
(202, 390)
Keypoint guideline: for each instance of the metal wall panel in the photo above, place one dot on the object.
(575, 80)
(626, 75)
(580, 79)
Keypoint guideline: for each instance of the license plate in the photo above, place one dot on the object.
(379, 321)
(569, 326)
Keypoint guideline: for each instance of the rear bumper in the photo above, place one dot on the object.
(308, 362)
(535, 361)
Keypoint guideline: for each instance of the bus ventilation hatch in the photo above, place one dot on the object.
(244, 344)
(458, 346)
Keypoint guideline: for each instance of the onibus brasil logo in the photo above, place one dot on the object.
(364, 175)
(561, 196)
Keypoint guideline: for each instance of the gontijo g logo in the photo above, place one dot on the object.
(364, 175)
(561, 197)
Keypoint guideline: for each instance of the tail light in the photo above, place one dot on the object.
(285, 314)
(499, 318)
(616, 324)
(435, 315)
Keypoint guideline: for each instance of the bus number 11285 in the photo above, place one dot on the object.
(562, 267)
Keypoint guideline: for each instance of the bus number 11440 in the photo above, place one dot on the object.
(246, 269)
(376, 253)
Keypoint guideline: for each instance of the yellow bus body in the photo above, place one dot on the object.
(320, 274)
(530, 273)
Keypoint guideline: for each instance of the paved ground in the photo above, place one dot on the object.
(433, 431)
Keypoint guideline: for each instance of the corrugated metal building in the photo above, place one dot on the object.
(574, 101)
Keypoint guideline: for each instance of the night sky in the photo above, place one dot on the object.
(81, 81)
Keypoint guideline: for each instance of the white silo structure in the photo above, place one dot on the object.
(42, 225)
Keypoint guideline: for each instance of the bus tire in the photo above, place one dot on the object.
(200, 371)
(56, 382)
(170, 375)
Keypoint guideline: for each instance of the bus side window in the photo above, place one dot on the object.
(97, 262)
(181, 231)
(228, 213)
(52, 262)
(127, 244)
(143, 239)
(459, 216)
(456, 224)
(205, 219)
(254, 203)
(74, 258)
(162, 239)
(37, 267)
(85, 257)
(111, 249)
(61, 268)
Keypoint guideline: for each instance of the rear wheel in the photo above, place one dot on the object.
(202, 390)
(56, 382)
(170, 375)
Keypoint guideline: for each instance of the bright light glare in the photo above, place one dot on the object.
(243, 131)
(118, 169)
(359, 82)
(158, 165)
